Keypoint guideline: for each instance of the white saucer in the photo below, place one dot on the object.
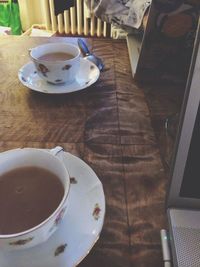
(79, 230)
(87, 75)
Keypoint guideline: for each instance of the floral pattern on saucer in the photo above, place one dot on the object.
(96, 211)
(60, 249)
(23, 79)
(73, 180)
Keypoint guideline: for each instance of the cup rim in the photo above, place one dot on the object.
(54, 61)
(8, 236)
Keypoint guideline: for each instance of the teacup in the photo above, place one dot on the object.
(56, 62)
(51, 161)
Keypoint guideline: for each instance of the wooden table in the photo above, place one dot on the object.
(109, 126)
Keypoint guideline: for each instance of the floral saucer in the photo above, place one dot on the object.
(78, 231)
(87, 75)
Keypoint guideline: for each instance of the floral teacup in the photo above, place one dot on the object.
(59, 70)
(19, 158)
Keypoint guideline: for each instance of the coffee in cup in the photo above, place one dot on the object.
(32, 194)
(55, 56)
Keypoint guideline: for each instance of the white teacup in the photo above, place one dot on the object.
(18, 158)
(56, 71)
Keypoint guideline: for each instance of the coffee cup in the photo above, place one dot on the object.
(56, 63)
(24, 159)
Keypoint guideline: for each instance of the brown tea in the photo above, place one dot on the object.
(56, 56)
(28, 196)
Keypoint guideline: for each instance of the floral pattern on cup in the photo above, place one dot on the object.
(60, 250)
(58, 219)
(21, 242)
(43, 69)
(60, 216)
(66, 67)
(24, 79)
(96, 212)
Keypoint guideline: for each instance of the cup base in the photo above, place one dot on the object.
(61, 83)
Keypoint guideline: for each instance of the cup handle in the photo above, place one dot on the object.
(56, 150)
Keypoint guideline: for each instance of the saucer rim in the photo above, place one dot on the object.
(34, 88)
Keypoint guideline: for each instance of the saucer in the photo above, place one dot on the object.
(86, 76)
(79, 230)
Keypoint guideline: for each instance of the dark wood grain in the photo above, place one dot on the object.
(164, 102)
(114, 126)
(145, 188)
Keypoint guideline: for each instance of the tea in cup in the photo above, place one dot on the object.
(34, 187)
(56, 62)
